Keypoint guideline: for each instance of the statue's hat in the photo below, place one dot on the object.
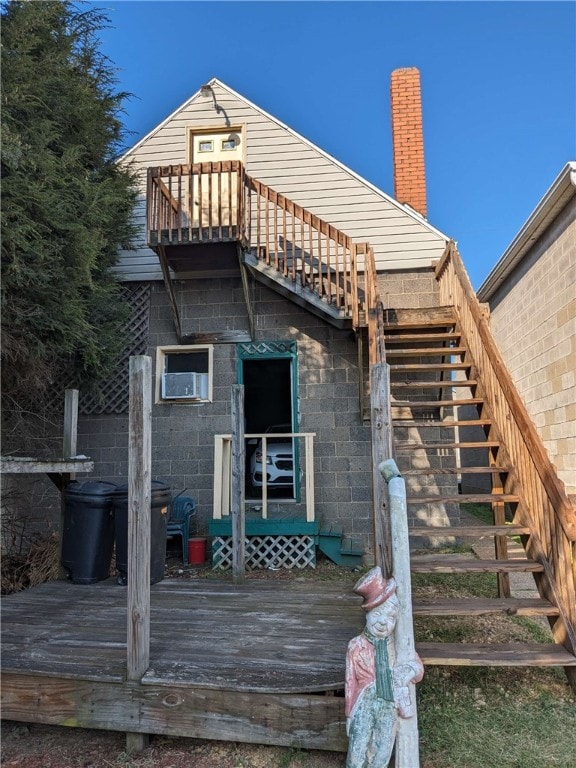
(374, 588)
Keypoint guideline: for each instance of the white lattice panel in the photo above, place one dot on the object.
(266, 552)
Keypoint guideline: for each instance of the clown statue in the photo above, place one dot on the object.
(377, 691)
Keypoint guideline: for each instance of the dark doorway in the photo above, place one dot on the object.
(268, 408)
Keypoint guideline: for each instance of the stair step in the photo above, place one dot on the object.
(426, 404)
(470, 531)
(351, 546)
(439, 423)
(457, 471)
(331, 529)
(402, 367)
(476, 606)
(444, 384)
(426, 352)
(495, 655)
(465, 498)
(483, 444)
(459, 564)
(427, 317)
(408, 338)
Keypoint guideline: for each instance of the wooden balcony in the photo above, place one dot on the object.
(201, 217)
(195, 216)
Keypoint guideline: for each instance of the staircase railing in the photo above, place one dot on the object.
(214, 202)
(544, 506)
(306, 249)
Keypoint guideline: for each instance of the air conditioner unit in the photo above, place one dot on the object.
(182, 386)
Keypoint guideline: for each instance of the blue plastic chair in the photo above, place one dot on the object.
(182, 509)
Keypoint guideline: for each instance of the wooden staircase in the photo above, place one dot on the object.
(427, 357)
(437, 382)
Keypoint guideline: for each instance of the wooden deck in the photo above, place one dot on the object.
(262, 662)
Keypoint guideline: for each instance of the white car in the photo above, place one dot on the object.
(279, 459)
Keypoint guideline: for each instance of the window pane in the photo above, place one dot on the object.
(187, 361)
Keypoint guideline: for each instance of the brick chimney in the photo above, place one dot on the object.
(408, 139)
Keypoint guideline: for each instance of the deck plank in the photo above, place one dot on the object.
(263, 636)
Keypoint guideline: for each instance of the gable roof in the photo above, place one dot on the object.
(555, 199)
(406, 209)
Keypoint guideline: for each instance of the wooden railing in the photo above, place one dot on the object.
(306, 249)
(212, 202)
(223, 471)
(196, 203)
(544, 506)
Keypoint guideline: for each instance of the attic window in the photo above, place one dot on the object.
(184, 374)
(205, 146)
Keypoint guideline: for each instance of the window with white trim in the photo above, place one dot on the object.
(184, 374)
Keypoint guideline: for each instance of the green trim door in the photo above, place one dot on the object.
(269, 372)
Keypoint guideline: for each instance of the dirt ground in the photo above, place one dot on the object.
(29, 745)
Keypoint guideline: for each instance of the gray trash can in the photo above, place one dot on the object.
(88, 533)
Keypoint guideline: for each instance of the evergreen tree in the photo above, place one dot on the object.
(66, 202)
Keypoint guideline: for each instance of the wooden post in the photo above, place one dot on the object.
(70, 425)
(381, 450)
(310, 503)
(407, 752)
(69, 448)
(139, 500)
(237, 490)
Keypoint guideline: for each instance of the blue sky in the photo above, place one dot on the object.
(498, 90)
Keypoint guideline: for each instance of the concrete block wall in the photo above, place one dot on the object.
(183, 435)
(418, 289)
(408, 289)
(533, 319)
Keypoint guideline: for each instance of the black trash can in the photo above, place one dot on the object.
(161, 498)
(88, 535)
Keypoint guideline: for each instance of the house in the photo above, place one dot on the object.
(346, 322)
(531, 293)
(217, 305)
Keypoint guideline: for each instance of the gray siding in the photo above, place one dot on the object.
(298, 170)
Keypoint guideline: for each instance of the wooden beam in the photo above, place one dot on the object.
(246, 289)
(237, 490)
(381, 424)
(69, 447)
(139, 501)
(308, 721)
(70, 424)
(24, 465)
(310, 502)
(170, 291)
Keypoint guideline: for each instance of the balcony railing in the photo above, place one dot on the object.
(220, 202)
(196, 203)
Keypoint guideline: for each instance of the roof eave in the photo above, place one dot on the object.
(559, 193)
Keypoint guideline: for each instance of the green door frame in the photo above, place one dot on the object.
(276, 350)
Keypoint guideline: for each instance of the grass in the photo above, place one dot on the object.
(499, 717)
(482, 511)
(495, 718)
